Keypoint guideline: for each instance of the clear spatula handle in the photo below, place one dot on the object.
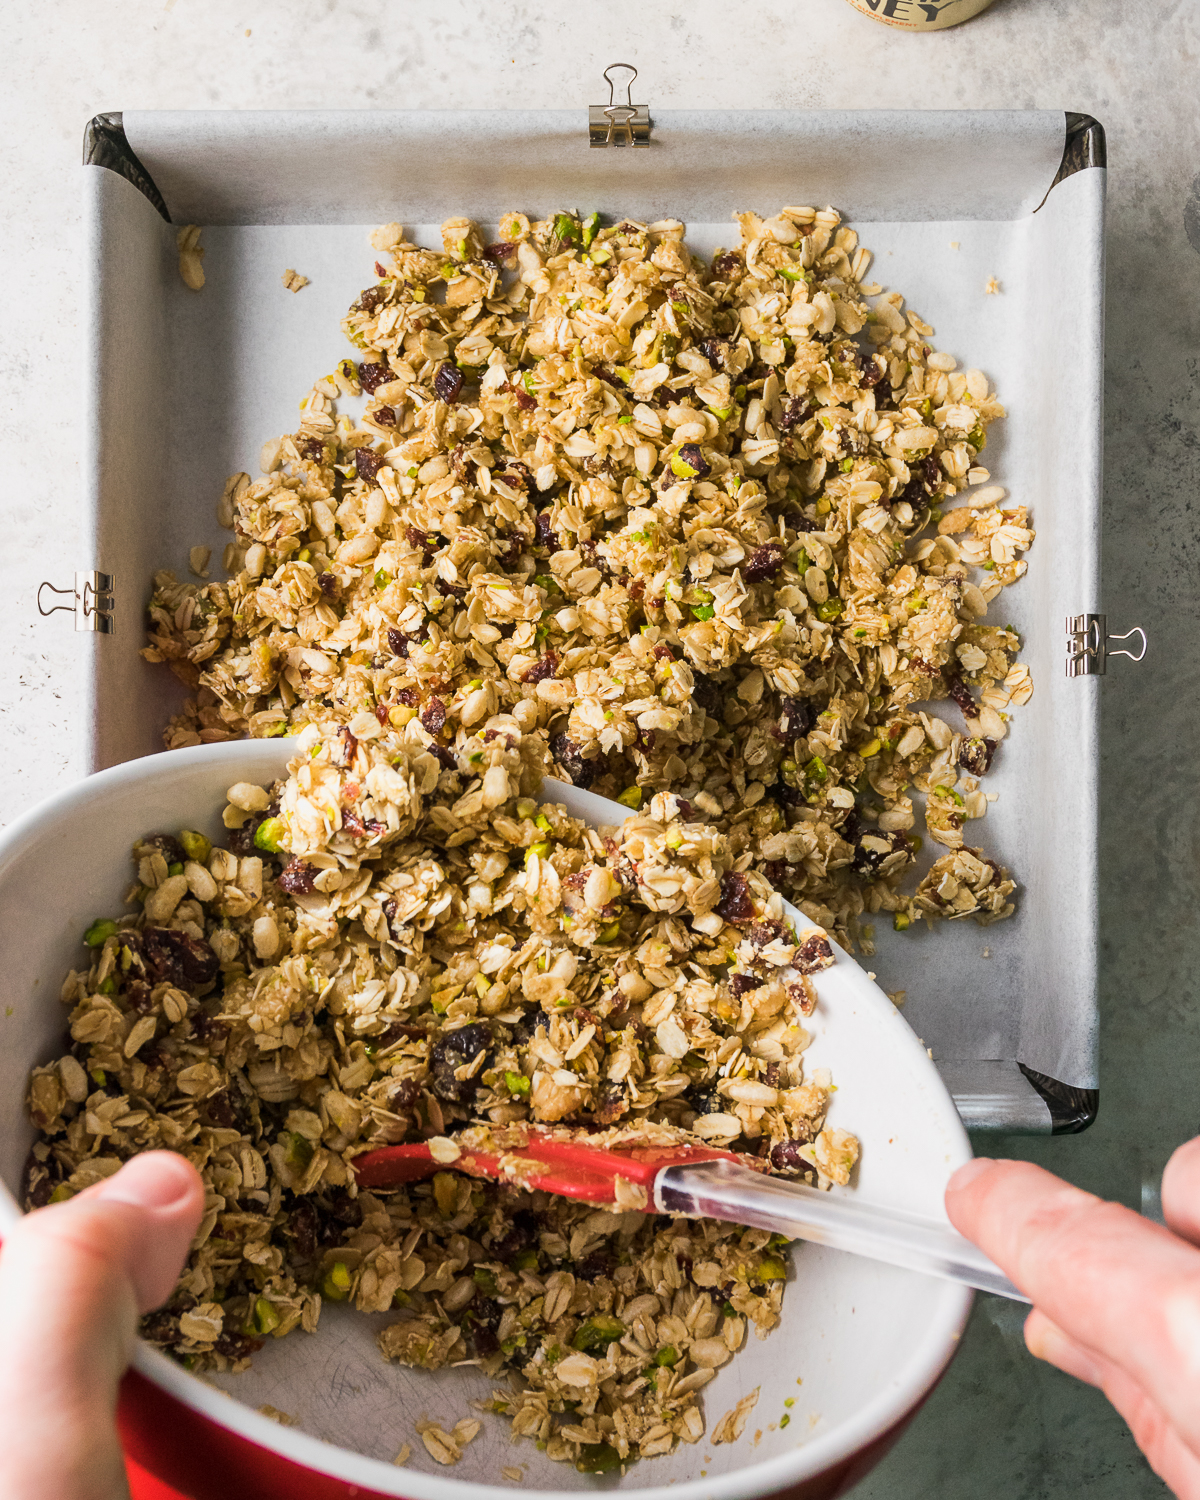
(739, 1195)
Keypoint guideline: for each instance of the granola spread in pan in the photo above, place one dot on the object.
(386, 951)
(714, 529)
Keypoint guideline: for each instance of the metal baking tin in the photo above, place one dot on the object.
(183, 388)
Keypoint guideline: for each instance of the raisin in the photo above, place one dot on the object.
(705, 1101)
(763, 933)
(138, 995)
(714, 351)
(372, 376)
(402, 1096)
(329, 585)
(448, 383)
(931, 471)
(527, 1027)
(453, 1050)
(301, 1227)
(398, 642)
(568, 755)
(385, 416)
(446, 758)
(975, 756)
(160, 1328)
(728, 264)
(706, 693)
(764, 562)
(170, 848)
(502, 253)
(741, 984)
(312, 449)
(525, 401)
(613, 1104)
(367, 463)
(545, 666)
(813, 954)
(177, 957)
(433, 715)
(218, 1110)
(796, 717)
(776, 871)
(237, 1345)
(297, 877)
(794, 410)
(344, 1209)
(735, 904)
(210, 1032)
(961, 694)
(598, 1263)
(522, 1235)
(371, 298)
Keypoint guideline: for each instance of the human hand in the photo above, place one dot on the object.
(73, 1279)
(1116, 1297)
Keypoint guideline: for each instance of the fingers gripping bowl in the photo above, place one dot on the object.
(858, 1345)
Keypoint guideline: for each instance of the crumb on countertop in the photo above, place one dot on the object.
(992, 287)
(293, 280)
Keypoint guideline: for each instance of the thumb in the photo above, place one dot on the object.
(73, 1279)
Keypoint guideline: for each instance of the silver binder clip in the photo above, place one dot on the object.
(1088, 649)
(614, 124)
(92, 602)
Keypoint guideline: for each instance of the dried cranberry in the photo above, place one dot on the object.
(312, 449)
(367, 462)
(962, 695)
(433, 715)
(663, 653)
(209, 1032)
(347, 747)
(599, 1263)
(383, 714)
(371, 298)
(177, 957)
(735, 904)
(522, 1235)
(764, 933)
(297, 877)
(329, 585)
(813, 954)
(409, 696)
(510, 556)
(402, 1096)
(237, 1345)
(372, 376)
(785, 1155)
(764, 562)
(741, 984)
(795, 409)
(398, 642)
(525, 401)
(873, 372)
(545, 666)
(502, 253)
(728, 264)
(447, 758)
(343, 1209)
(450, 590)
(161, 1328)
(385, 416)
(448, 383)
(612, 1104)
(797, 716)
(693, 459)
(546, 535)
(569, 757)
(776, 871)
(975, 756)
(453, 1050)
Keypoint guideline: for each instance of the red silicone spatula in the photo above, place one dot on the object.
(701, 1182)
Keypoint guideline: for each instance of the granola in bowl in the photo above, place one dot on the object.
(380, 954)
(718, 530)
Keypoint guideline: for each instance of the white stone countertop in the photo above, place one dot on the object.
(999, 1423)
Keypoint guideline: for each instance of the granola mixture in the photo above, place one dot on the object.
(383, 953)
(690, 524)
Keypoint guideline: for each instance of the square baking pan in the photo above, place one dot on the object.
(183, 389)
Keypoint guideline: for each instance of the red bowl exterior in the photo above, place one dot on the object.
(174, 1453)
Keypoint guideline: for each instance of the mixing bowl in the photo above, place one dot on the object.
(859, 1347)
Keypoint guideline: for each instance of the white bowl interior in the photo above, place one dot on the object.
(859, 1342)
